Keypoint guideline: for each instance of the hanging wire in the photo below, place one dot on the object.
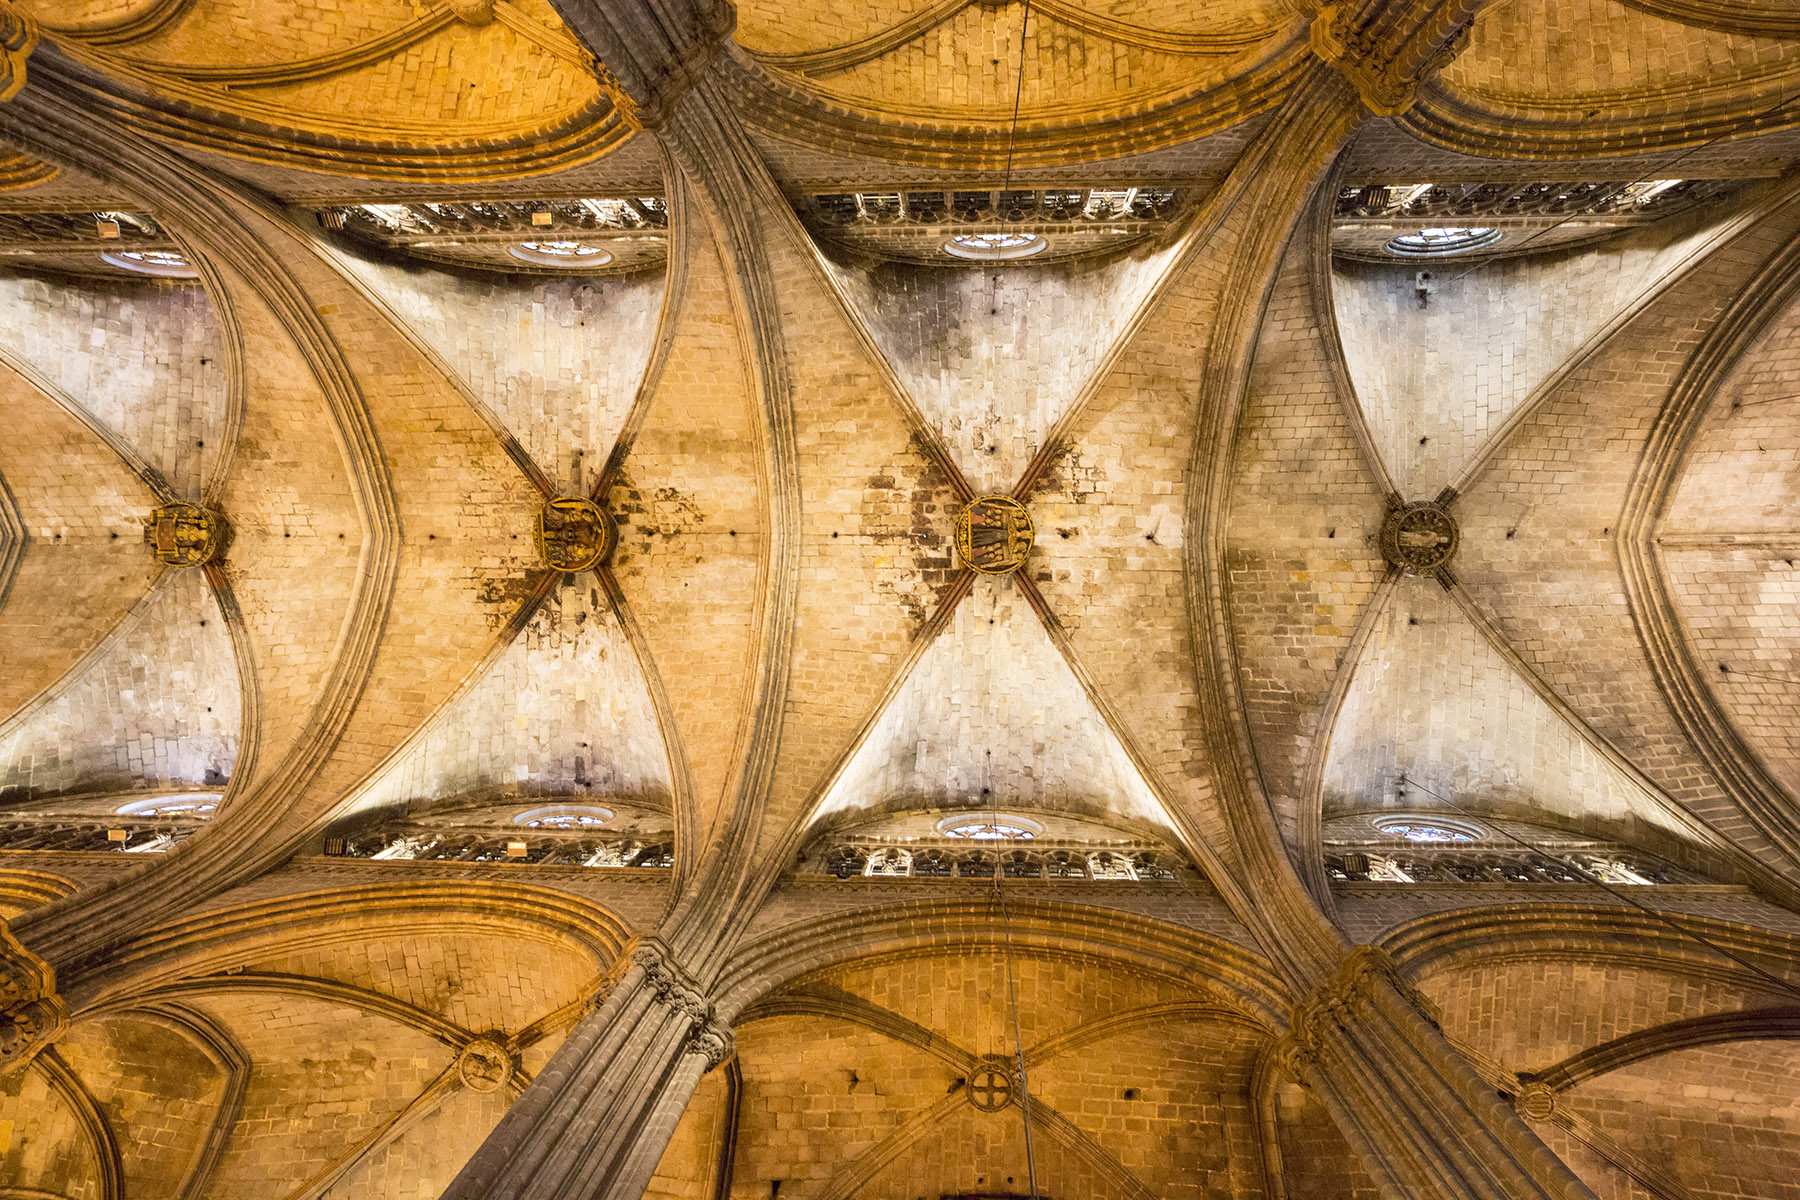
(1012, 138)
(1012, 995)
(1661, 172)
(1787, 679)
(993, 811)
(1589, 877)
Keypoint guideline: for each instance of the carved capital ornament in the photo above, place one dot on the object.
(1384, 64)
(32, 1015)
(1342, 999)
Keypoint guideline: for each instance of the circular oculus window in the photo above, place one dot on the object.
(990, 827)
(991, 246)
(561, 254)
(1428, 829)
(163, 264)
(188, 804)
(564, 816)
(1443, 239)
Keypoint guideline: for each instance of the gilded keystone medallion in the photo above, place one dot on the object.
(1419, 538)
(574, 534)
(994, 535)
(184, 535)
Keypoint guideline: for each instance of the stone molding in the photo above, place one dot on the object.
(783, 105)
(18, 38)
(1714, 736)
(32, 1015)
(1692, 117)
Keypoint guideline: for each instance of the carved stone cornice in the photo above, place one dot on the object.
(32, 1015)
(1387, 50)
(18, 38)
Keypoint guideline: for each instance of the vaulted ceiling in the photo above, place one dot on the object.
(1208, 420)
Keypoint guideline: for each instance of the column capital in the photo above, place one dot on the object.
(648, 53)
(1386, 50)
(1344, 997)
(32, 1015)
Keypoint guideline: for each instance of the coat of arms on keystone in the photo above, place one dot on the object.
(574, 534)
(993, 535)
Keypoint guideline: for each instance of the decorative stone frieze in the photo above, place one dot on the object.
(994, 535)
(32, 1015)
(1419, 538)
(18, 38)
(1387, 50)
(574, 534)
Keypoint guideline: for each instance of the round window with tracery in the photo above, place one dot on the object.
(164, 264)
(990, 828)
(995, 245)
(1444, 239)
(190, 804)
(562, 253)
(564, 816)
(1419, 829)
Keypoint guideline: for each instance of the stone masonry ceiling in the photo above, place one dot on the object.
(922, 600)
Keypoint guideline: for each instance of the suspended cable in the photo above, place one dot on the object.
(1012, 995)
(1787, 679)
(1661, 172)
(1012, 138)
(1589, 877)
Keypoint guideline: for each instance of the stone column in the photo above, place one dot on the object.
(594, 1124)
(1426, 1124)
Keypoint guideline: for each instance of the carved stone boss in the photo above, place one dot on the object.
(994, 535)
(185, 535)
(574, 534)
